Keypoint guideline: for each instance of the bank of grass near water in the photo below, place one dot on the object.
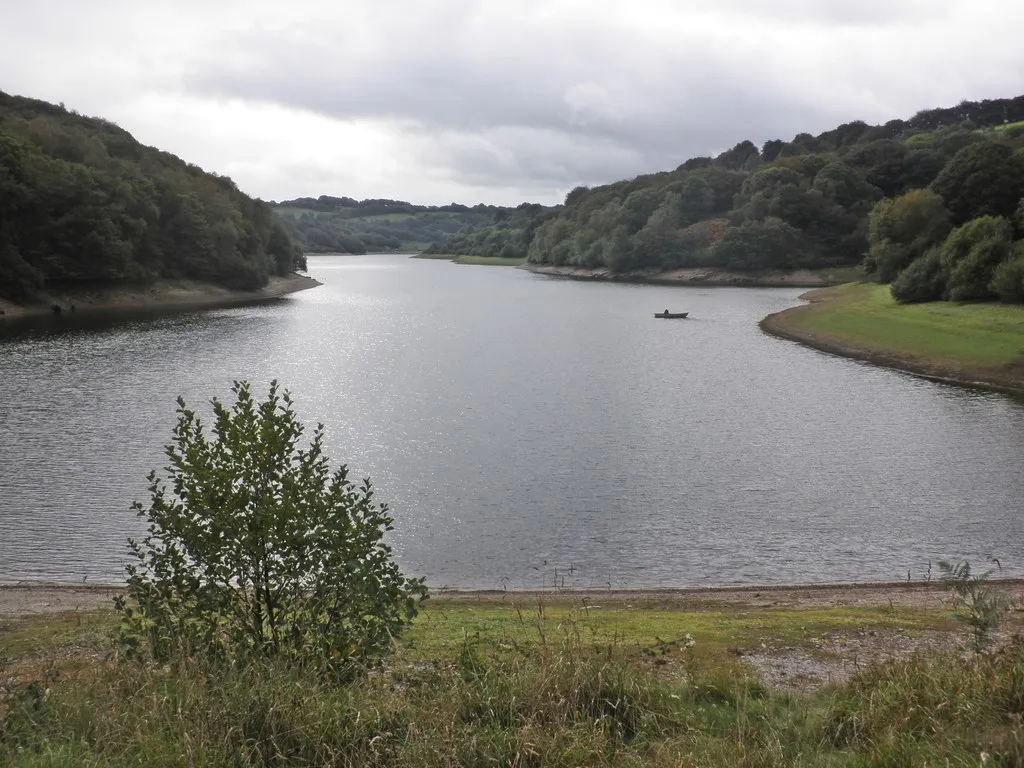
(492, 261)
(533, 681)
(979, 344)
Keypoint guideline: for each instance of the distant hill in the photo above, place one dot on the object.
(507, 235)
(344, 225)
(883, 195)
(83, 204)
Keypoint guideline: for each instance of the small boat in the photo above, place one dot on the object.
(670, 315)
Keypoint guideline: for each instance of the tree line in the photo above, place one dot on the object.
(344, 225)
(936, 197)
(82, 203)
(507, 235)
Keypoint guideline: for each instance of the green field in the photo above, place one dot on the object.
(541, 680)
(376, 217)
(983, 342)
(490, 261)
(840, 274)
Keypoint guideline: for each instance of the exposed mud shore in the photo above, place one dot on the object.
(30, 599)
(801, 278)
(162, 295)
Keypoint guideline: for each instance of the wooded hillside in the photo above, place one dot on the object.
(344, 225)
(932, 203)
(82, 203)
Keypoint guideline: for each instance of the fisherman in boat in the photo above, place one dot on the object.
(666, 313)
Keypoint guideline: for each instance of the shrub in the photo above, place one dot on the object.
(923, 280)
(902, 230)
(971, 254)
(980, 606)
(254, 548)
(1008, 278)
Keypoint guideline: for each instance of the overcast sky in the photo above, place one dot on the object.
(502, 101)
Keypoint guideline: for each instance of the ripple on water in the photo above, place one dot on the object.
(527, 431)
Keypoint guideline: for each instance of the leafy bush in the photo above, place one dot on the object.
(923, 280)
(903, 230)
(971, 254)
(255, 548)
(1008, 278)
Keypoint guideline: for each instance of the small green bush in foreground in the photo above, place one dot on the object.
(256, 549)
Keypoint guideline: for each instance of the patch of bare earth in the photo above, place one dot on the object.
(905, 594)
(829, 658)
(25, 600)
(833, 658)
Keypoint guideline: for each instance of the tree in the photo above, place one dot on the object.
(883, 162)
(738, 158)
(256, 549)
(971, 254)
(903, 229)
(575, 195)
(923, 280)
(1008, 277)
(759, 245)
(983, 179)
(841, 185)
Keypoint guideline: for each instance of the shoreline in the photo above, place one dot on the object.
(702, 276)
(162, 295)
(21, 600)
(776, 325)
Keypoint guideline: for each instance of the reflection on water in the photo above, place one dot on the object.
(519, 425)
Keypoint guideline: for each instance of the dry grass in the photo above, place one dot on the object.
(545, 681)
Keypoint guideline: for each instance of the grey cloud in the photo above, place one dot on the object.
(523, 94)
(584, 102)
(836, 12)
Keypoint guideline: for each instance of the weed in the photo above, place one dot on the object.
(977, 603)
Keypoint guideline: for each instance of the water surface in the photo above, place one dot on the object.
(526, 431)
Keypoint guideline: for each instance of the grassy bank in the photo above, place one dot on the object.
(966, 343)
(492, 261)
(552, 681)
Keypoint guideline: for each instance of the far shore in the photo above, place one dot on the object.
(483, 261)
(706, 276)
(22, 600)
(158, 296)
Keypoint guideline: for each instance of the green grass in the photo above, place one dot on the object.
(525, 681)
(721, 628)
(941, 334)
(1008, 126)
(490, 261)
(840, 274)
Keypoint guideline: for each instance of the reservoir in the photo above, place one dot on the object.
(526, 432)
